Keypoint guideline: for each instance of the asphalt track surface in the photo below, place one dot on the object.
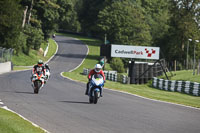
(62, 107)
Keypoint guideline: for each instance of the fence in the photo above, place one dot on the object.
(112, 76)
(5, 54)
(192, 88)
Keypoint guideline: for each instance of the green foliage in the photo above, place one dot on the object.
(88, 15)
(184, 25)
(28, 60)
(124, 23)
(68, 16)
(158, 15)
(10, 23)
(34, 38)
(163, 23)
(117, 64)
(20, 43)
(47, 13)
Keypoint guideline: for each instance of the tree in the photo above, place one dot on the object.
(124, 23)
(158, 16)
(117, 64)
(47, 12)
(68, 19)
(10, 23)
(34, 38)
(88, 14)
(183, 25)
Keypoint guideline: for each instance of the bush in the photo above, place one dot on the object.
(34, 38)
(117, 64)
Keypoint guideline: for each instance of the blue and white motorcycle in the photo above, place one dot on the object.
(95, 86)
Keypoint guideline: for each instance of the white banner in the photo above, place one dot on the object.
(140, 52)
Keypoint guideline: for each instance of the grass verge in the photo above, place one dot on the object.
(25, 60)
(141, 90)
(184, 75)
(12, 123)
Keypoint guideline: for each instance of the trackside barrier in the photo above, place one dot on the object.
(111, 75)
(192, 88)
(5, 67)
(46, 50)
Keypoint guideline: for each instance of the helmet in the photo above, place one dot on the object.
(97, 68)
(40, 63)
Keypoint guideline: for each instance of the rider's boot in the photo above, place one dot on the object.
(87, 88)
(101, 93)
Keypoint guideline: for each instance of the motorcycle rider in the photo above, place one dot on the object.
(97, 70)
(39, 67)
(47, 67)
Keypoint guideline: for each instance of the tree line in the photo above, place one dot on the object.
(168, 24)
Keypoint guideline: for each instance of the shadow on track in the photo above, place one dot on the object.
(24, 92)
(74, 102)
(77, 56)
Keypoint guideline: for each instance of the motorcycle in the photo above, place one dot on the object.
(38, 80)
(96, 84)
(54, 36)
(47, 72)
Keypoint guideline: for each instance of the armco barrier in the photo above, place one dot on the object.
(111, 75)
(46, 50)
(192, 88)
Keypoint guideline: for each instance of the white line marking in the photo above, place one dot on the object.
(54, 53)
(1, 103)
(137, 95)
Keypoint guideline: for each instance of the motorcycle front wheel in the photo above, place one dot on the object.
(37, 85)
(96, 93)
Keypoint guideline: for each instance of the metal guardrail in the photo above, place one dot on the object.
(5, 54)
(111, 75)
(187, 87)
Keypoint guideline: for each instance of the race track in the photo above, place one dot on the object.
(62, 107)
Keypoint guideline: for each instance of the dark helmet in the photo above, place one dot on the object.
(40, 63)
(46, 65)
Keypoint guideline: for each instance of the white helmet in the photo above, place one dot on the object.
(97, 68)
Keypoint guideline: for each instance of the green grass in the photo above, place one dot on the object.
(141, 90)
(21, 68)
(12, 123)
(34, 56)
(184, 75)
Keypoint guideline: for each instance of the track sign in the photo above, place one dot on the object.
(139, 52)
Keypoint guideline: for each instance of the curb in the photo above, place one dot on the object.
(137, 95)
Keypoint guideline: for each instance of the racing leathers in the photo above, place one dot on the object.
(92, 72)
